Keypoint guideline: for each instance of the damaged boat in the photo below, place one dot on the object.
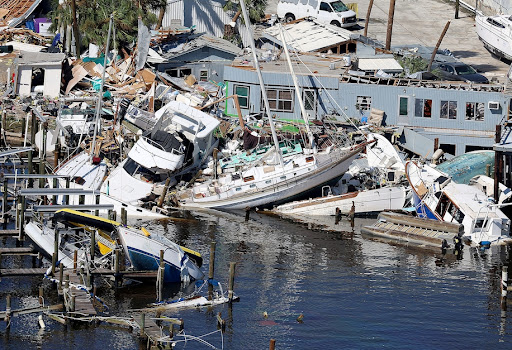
(436, 196)
(494, 32)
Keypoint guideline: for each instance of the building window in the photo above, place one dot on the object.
(203, 75)
(179, 72)
(363, 103)
(243, 95)
(475, 111)
(280, 100)
(449, 109)
(309, 100)
(448, 148)
(403, 109)
(423, 108)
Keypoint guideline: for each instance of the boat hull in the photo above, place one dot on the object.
(144, 255)
(365, 202)
(496, 39)
(280, 192)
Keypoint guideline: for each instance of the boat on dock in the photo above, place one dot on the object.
(435, 196)
(142, 248)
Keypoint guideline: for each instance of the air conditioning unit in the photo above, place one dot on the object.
(493, 105)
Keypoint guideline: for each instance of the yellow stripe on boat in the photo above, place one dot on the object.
(145, 232)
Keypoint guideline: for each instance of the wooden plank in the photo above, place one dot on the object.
(17, 251)
(22, 272)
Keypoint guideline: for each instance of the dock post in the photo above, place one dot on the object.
(247, 213)
(164, 193)
(41, 299)
(117, 263)
(55, 185)
(161, 274)
(66, 281)
(231, 283)
(4, 199)
(124, 216)
(93, 244)
(56, 156)
(498, 164)
(21, 236)
(75, 260)
(30, 168)
(33, 127)
(142, 324)
(272, 344)
(55, 250)
(488, 170)
(72, 304)
(61, 274)
(66, 196)
(211, 270)
(3, 127)
(18, 208)
(97, 212)
(504, 285)
(23, 127)
(8, 311)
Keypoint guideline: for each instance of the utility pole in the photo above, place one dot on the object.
(390, 24)
(370, 5)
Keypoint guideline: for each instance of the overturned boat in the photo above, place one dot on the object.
(142, 248)
(177, 145)
(436, 196)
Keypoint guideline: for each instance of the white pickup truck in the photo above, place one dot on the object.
(333, 12)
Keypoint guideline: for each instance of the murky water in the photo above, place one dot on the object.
(354, 292)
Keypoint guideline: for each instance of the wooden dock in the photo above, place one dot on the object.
(153, 332)
(79, 300)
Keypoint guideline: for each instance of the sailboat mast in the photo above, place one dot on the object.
(296, 84)
(260, 78)
(100, 93)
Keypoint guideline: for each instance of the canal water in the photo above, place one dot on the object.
(354, 292)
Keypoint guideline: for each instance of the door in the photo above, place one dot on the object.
(310, 102)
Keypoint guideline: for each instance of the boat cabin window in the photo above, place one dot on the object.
(480, 223)
(442, 205)
(449, 109)
(133, 168)
(495, 23)
(456, 214)
(423, 108)
(243, 95)
(248, 178)
(475, 111)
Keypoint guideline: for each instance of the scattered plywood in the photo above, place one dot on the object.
(79, 73)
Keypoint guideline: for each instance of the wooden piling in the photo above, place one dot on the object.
(23, 127)
(247, 213)
(211, 270)
(61, 275)
(21, 236)
(30, 168)
(124, 216)
(447, 25)
(55, 185)
(66, 281)
(55, 250)
(272, 344)
(41, 298)
(75, 261)
(457, 9)
(164, 193)
(161, 274)
(220, 322)
(504, 285)
(33, 128)
(41, 172)
(8, 310)
(370, 5)
(97, 212)
(117, 264)
(93, 244)
(391, 15)
(73, 303)
(4, 199)
(56, 156)
(231, 283)
(498, 171)
(66, 196)
(142, 324)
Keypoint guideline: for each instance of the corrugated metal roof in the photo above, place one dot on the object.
(309, 36)
(19, 10)
(185, 44)
(387, 64)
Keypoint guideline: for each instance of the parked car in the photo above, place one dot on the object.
(458, 71)
(333, 12)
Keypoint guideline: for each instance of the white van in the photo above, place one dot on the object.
(333, 12)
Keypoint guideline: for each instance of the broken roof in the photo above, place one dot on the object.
(17, 10)
(386, 64)
(38, 58)
(309, 35)
(192, 42)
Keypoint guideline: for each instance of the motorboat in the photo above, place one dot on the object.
(180, 141)
(495, 33)
(436, 196)
(142, 248)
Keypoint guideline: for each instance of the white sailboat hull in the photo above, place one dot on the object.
(44, 238)
(365, 202)
(278, 191)
(496, 39)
